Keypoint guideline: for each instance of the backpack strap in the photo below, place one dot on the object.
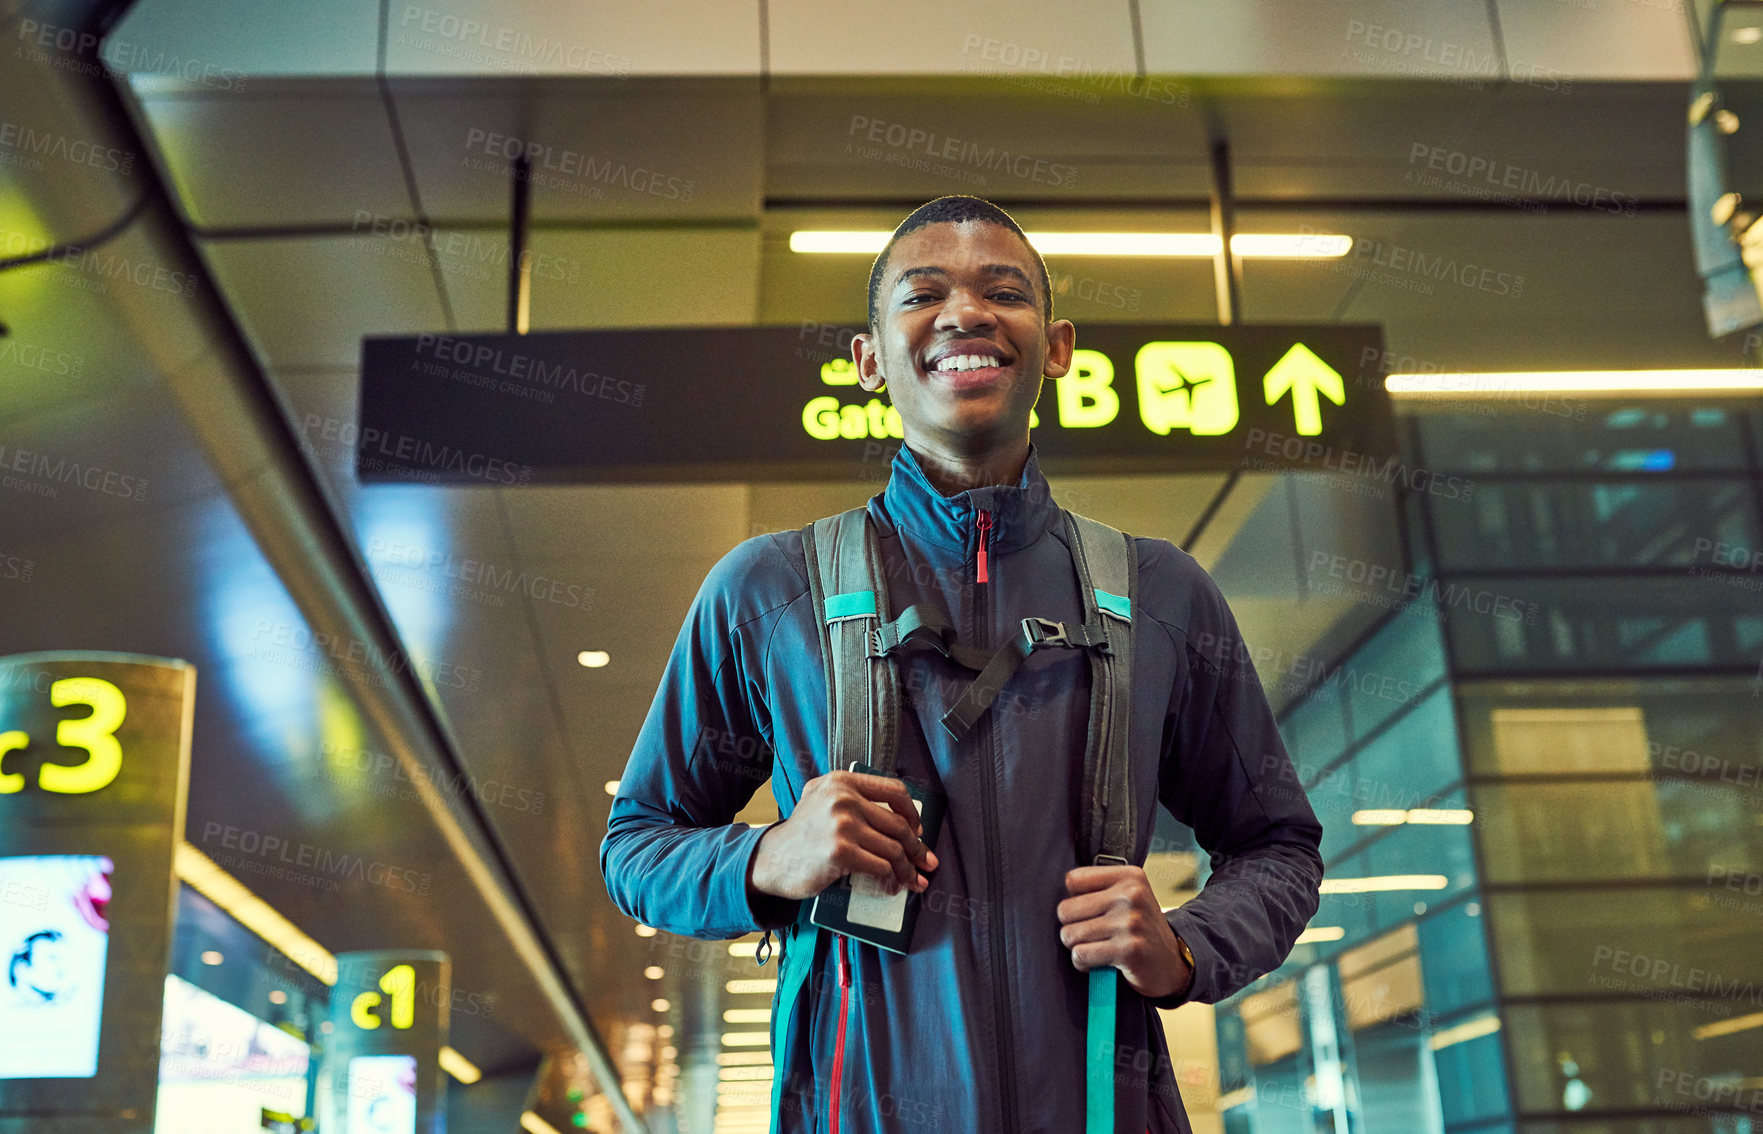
(848, 585)
(1107, 574)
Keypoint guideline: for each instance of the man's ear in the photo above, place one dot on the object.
(868, 360)
(1061, 341)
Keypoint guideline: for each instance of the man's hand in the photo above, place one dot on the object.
(844, 823)
(1112, 918)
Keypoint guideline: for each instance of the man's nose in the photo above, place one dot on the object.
(963, 311)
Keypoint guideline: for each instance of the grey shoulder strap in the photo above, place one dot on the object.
(1107, 572)
(848, 584)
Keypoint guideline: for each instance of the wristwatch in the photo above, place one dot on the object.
(1187, 955)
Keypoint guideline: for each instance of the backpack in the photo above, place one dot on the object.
(860, 641)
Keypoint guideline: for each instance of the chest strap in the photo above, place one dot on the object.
(924, 625)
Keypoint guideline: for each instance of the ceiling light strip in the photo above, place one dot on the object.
(1498, 384)
(1193, 245)
(204, 876)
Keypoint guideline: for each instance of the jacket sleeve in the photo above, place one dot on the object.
(1227, 775)
(673, 857)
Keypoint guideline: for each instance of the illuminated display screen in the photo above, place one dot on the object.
(382, 1094)
(54, 940)
(220, 1067)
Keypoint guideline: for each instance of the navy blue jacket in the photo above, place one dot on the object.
(981, 1028)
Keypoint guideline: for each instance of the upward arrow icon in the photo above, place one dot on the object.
(1306, 376)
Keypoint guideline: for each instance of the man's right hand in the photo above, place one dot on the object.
(845, 823)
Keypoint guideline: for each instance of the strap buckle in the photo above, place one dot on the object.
(1044, 632)
(1109, 860)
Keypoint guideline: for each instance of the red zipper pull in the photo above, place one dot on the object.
(983, 522)
(844, 965)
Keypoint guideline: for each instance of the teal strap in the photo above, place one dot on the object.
(1117, 605)
(1099, 1075)
(851, 604)
(798, 962)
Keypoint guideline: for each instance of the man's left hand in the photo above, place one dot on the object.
(1112, 918)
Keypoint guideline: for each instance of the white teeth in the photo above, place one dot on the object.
(966, 362)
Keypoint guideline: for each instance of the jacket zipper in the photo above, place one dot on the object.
(994, 856)
(839, 1043)
(982, 524)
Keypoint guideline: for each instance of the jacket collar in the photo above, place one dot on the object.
(1021, 512)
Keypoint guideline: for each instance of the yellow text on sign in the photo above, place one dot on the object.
(399, 982)
(95, 733)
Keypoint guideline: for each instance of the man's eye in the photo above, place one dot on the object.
(1010, 295)
(918, 295)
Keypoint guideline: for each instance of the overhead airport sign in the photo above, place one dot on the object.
(94, 770)
(760, 403)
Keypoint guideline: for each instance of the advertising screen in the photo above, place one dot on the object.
(220, 1067)
(54, 940)
(382, 1094)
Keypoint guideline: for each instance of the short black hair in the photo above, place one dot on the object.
(954, 210)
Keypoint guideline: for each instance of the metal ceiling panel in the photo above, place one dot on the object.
(233, 42)
(1034, 43)
(1436, 39)
(247, 157)
(307, 302)
(1494, 291)
(549, 37)
(647, 278)
(1549, 44)
(997, 138)
(1447, 142)
(602, 150)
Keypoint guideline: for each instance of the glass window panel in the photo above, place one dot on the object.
(1598, 524)
(1390, 670)
(1272, 1028)
(1315, 733)
(1632, 828)
(1472, 1079)
(1415, 758)
(1628, 1056)
(1684, 943)
(1601, 623)
(1583, 435)
(1708, 731)
(1454, 958)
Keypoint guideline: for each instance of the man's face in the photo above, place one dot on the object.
(960, 340)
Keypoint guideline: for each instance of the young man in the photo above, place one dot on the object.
(981, 1026)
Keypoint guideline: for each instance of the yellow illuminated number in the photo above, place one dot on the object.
(361, 1011)
(94, 733)
(400, 984)
(11, 742)
(1086, 393)
(1191, 386)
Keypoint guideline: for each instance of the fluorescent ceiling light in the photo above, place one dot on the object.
(746, 1016)
(459, 1067)
(202, 875)
(1384, 882)
(1318, 933)
(1254, 245)
(746, 1039)
(1576, 382)
(594, 659)
(533, 1124)
(1455, 817)
(742, 1058)
(1727, 1027)
(1468, 1030)
(743, 1074)
(1236, 1098)
(743, 948)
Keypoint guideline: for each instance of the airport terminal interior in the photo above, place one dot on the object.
(380, 379)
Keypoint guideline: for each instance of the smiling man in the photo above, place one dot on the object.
(981, 1024)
